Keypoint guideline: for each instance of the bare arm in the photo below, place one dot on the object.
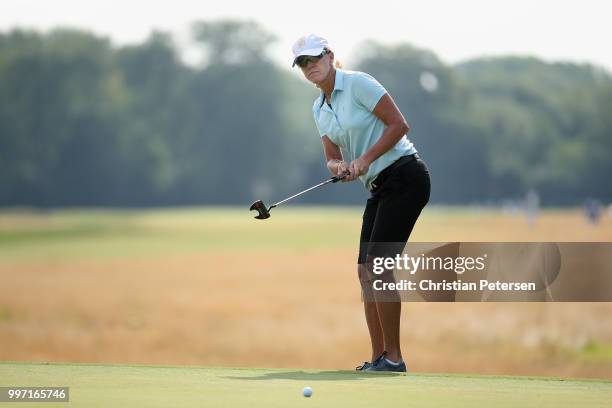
(333, 155)
(395, 127)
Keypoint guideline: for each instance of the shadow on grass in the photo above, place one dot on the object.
(317, 376)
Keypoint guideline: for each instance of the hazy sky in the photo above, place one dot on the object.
(454, 30)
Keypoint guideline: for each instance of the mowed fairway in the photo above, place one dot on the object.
(214, 287)
(139, 386)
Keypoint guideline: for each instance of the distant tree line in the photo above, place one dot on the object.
(86, 123)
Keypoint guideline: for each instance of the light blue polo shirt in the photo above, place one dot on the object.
(350, 123)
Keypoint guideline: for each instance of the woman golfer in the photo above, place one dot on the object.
(354, 112)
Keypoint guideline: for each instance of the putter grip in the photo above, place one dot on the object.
(336, 179)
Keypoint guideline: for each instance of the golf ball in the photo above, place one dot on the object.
(307, 392)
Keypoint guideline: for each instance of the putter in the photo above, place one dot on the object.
(264, 212)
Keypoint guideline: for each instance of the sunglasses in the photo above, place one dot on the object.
(303, 60)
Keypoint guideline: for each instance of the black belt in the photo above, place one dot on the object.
(382, 176)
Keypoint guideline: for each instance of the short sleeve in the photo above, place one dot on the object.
(321, 132)
(315, 113)
(367, 90)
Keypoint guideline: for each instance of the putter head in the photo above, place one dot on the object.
(263, 212)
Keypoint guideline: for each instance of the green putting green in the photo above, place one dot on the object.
(179, 386)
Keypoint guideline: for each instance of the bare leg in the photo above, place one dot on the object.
(383, 315)
(376, 332)
(371, 314)
(389, 317)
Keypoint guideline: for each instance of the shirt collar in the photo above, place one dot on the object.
(338, 85)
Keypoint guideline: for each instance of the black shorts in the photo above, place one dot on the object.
(401, 192)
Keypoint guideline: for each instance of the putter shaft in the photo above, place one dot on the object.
(331, 180)
(264, 212)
